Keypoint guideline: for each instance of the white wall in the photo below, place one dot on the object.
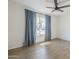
(60, 26)
(64, 26)
(16, 23)
(54, 27)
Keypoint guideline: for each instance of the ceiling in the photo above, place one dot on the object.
(40, 6)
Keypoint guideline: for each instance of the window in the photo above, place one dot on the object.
(40, 24)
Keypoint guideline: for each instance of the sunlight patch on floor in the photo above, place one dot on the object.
(46, 43)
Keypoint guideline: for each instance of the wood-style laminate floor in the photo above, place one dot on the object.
(55, 49)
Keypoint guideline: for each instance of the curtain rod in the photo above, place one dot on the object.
(37, 12)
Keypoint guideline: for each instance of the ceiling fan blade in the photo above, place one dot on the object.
(52, 10)
(50, 7)
(56, 4)
(60, 10)
(64, 6)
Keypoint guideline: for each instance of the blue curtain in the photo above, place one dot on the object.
(48, 28)
(30, 30)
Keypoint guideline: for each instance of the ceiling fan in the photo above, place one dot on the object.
(58, 8)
